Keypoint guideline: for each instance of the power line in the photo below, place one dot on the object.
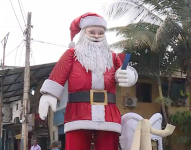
(14, 49)
(22, 13)
(16, 55)
(50, 43)
(23, 9)
(16, 16)
(21, 54)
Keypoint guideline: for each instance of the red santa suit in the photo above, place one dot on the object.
(81, 118)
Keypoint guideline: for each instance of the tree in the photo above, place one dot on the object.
(148, 46)
(178, 21)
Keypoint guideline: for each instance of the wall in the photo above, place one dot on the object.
(146, 110)
(7, 113)
(52, 128)
(16, 113)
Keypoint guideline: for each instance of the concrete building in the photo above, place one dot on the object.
(13, 81)
(11, 125)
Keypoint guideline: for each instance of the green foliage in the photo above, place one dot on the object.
(183, 121)
(147, 46)
(174, 31)
(180, 8)
(187, 94)
(164, 100)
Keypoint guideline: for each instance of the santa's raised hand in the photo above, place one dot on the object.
(126, 78)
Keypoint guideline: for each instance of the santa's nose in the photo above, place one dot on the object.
(96, 36)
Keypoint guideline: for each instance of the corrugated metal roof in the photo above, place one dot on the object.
(14, 80)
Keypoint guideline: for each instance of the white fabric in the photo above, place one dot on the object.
(92, 21)
(156, 123)
(71, 44)
(98, 111)
(46, 100)
(92, 125)
(37, 147)
(126, 78)
(129, 123)
(52, 87)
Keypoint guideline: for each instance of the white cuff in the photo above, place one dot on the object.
(129, 68)
(52, 88)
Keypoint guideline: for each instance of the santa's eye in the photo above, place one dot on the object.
(91, 32)
(101, 33)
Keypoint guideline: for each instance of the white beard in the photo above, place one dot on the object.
(93, 56)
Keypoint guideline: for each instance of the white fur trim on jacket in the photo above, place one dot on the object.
(52, 88)
(91, 125)
(98, 111)
(93, 21)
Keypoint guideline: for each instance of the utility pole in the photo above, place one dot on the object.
(24, 138)
(1, 118)
(4, 43)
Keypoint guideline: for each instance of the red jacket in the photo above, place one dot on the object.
(78, 78)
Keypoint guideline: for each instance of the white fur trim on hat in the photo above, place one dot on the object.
(92, 21)
(71, 44)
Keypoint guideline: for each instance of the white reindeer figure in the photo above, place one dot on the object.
(137, 132)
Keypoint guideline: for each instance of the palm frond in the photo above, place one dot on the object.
(140, 35)
(167, 35)
(134, 10)
(181, 9)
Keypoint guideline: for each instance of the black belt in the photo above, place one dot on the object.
(85, 97)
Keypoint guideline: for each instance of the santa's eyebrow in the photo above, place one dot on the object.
(94, 31)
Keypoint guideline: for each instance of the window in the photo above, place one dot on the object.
(175, 88)
(144, 92)
(17, 106)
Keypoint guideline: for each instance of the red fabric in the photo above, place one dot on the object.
(81, 140)
(61, 71)
(82, 111)
(67, 68)
(38, 119)
(122, 56)
(74, 27)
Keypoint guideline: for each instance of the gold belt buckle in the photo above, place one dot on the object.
(92, 97)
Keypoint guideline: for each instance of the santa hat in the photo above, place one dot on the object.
(86, 20)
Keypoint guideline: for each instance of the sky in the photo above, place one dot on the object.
(50, 20)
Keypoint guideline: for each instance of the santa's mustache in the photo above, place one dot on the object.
(94, 39)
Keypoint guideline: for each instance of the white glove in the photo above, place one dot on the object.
(126, 78)
(46, 100)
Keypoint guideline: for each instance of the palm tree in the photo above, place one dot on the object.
(181, 10)
(153, 11)
(148, 47)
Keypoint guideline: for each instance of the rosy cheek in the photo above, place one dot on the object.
(102, 35)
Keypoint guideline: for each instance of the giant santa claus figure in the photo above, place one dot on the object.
(92, 71)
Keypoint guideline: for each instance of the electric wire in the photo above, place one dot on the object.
(21, 54)
(23, 9)
(16, 16)
(49, 43)
(13, 49)
(22, 13)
